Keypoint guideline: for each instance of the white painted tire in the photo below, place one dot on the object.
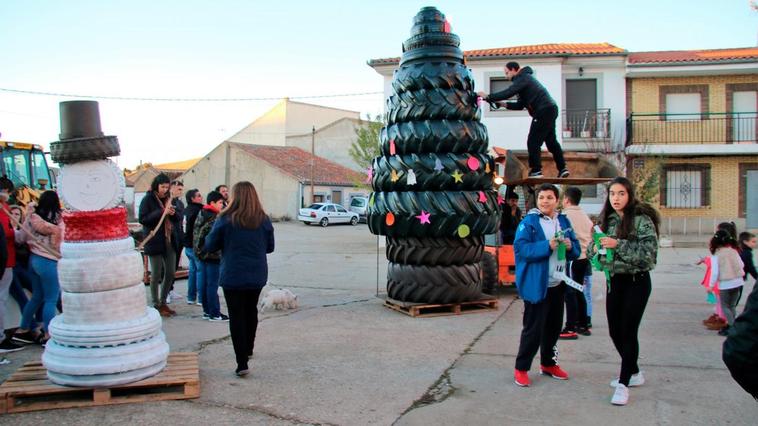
(98, 248)
(91, 185)
(105, 380)
(117, 359)
(105, 306)
(104, 335)
(94, 274)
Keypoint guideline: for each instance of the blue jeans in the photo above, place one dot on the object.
(195, 289)
(588, 292)
(211, 305)
(45, 291)
(21, 279)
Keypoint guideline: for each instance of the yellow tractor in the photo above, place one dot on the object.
(24, 166)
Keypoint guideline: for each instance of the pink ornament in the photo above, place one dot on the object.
(482, 197)
(473, 163)
(392, 147)
(500, 200)
(424, 217)
(369, 174)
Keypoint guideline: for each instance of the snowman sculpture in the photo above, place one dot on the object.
(106, 335)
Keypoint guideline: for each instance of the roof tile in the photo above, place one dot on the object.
(550, 49)
(709, 56)
(296, 162)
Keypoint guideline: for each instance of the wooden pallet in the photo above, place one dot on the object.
(29, 389)
(423, 310)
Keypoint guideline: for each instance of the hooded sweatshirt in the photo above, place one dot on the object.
(532, 94)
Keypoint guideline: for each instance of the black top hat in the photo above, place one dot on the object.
(81, 138)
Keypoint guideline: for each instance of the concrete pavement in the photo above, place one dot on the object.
(342, 358)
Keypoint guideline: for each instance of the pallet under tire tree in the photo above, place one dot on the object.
(433, 195)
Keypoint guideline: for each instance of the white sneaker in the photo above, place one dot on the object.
(175, 295)
(620, 396)
(636, 380)
(168, 299)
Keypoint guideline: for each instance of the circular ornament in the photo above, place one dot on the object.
(91, 185)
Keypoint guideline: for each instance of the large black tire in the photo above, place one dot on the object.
(435, 136)
(427, 177)
(489, 273)
(433, 284)
(432, 104)
(435, 251)
(448, 210)
(74, 150)
(431, 39)
(433, 75)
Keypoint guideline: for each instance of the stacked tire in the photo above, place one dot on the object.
(106, 334)
(433, 195)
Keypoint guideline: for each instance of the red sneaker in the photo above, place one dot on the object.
(555, 371)
(521, 378)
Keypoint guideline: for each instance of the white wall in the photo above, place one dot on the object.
(331, 142)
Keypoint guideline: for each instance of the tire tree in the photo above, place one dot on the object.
(433, 195)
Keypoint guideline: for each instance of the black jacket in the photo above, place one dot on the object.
(509, 223)
(741, 346)
(188, 223)
(202, 228)
(532, 94)
(150, 212)
(746, 254)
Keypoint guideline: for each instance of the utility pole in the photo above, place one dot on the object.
(313, 157)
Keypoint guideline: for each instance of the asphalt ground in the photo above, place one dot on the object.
(343, 358)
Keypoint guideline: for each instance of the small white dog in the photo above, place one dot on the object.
(277, 299)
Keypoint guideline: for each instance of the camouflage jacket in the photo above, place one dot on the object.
(637, 253)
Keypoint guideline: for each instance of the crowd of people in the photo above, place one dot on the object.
(226, 241)
(30, 244)
(236, 226)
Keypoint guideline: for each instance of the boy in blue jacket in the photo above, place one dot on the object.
(538, 271)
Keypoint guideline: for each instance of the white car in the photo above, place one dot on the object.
(326, 213)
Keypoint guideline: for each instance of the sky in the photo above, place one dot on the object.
(264, 51)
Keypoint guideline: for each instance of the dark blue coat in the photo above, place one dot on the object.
(533, 252)
(243, 253)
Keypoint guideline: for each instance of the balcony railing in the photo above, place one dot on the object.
(586, 124)
(705, 128)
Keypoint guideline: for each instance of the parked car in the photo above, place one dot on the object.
(326, 213)
(359, 205)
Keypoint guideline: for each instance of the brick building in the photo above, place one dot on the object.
(691, 134)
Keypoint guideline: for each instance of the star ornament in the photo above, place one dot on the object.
(424, 217)
(393, 176)
(458, 176)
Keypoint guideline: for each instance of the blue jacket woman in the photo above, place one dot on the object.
(245, 236)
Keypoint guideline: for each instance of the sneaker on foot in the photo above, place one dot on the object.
(165, 311)
(206, 316)
(25, 337)
(620, 396)
(710, 319)
(564, 173)
(636, 380)
(584, 331)
(242, 372)
(537, 174)
(521, 378)
(4, 361)
(221, 317)
(199, 303)
(175, 295)
(190, 302)
(555, 371)
(568, 334)
(8, 346)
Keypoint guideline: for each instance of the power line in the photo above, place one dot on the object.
(131, 98)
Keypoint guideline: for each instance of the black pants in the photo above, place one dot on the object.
(624, 305)
(543, 130)
(576, 304)
(541, 328)
(243, 321)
